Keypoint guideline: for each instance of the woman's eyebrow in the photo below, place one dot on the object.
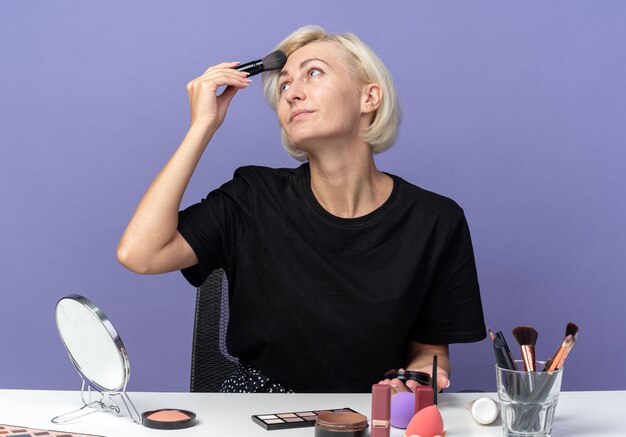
(302, 65)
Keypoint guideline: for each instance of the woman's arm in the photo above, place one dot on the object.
(151, 243)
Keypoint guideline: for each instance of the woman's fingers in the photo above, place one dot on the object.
(397, 386)
(228, 94)
(206, 105)
(216, 78)
(411, 384)
(443, 380)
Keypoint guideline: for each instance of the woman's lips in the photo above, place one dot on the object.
(296, 115)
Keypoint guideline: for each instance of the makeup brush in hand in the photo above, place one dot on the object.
(274, 61)
(571, 332)
(526, 336)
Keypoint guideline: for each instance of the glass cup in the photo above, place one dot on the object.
(528, 400)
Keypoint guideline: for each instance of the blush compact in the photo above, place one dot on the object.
(422, 378)
(168, 418)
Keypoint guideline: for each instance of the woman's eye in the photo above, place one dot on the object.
(314, 72)
(283, 87)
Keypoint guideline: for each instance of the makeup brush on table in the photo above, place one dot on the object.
(526, 336)
(274, 61)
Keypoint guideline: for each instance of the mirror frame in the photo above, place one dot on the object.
(106, 394)
(106, 323)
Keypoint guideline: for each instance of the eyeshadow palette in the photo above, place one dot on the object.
(20, 431)
(298, 419)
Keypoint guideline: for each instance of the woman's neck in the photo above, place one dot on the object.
(349, 186)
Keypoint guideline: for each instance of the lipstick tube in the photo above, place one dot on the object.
(381, 410)
(424, 397)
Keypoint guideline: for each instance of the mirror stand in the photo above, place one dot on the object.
(105, 402)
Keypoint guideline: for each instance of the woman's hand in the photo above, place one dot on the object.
(400, 386)
(208, 108)
(420, 358)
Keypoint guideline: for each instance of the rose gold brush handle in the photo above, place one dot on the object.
(568, 349)
(528, 356)
(559, 357)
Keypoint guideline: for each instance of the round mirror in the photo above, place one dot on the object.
(93, 344)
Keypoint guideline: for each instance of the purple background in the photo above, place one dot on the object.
(517, 110)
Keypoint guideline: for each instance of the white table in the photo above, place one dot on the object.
(578, 413)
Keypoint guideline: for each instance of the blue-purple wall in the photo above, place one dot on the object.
(517, 110)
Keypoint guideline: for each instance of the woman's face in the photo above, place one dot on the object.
(319, 101)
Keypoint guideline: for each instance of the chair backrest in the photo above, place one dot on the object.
(210, 361)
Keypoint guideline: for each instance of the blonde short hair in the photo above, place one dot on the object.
(365, 67)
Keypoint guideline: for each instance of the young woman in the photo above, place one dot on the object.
(337, 271)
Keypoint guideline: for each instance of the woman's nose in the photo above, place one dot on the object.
(294, 92)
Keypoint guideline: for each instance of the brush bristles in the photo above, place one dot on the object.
(525, 335)
(274, 61)
(571, 329)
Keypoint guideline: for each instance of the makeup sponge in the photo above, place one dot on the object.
(426, 423)
(402, 409)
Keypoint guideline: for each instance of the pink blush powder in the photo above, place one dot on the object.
(168, 416)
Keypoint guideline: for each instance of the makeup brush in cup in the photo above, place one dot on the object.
(574, 335)
(274, 61)
(526, 336)
(504, 358)
(570, 330)
(542, 389)
(559, 358)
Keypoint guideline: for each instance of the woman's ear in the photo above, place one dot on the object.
(372, 96)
